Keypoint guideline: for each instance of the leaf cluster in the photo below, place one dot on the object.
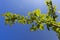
(37, 19)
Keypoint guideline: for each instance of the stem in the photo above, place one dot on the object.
(58, 35)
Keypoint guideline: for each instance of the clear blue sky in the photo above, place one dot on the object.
(20, 31)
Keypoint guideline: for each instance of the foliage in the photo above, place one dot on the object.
(37, 19)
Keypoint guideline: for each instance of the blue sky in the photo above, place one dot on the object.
(20, 31)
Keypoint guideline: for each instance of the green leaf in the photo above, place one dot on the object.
(57, 29)
(58, 23)
(37, 12)
(41, 27)
(54, 28)
(48, 27)
(54, 8)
